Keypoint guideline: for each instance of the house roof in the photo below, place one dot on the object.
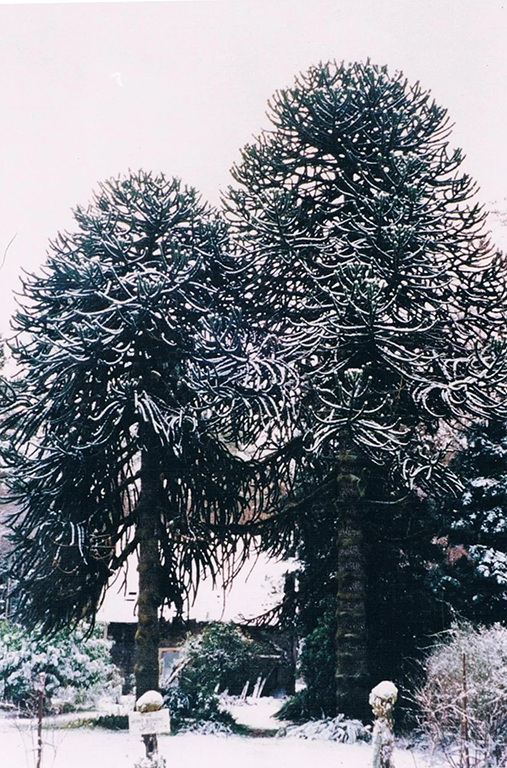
(257, 588)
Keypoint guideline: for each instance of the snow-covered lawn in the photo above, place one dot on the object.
(84, 748)
(94, 748)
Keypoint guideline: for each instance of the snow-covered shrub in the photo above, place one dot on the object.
(221, 657)
(78, 667)
(463, 702)
(193, 705)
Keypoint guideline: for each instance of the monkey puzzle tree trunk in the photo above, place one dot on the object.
(352, 684)
(148, 601)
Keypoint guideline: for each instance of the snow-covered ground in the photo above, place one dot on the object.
(86, 748)
(256, 713)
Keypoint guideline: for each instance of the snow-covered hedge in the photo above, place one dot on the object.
(77, 667)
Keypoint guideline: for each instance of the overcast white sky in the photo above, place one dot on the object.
(89, 90)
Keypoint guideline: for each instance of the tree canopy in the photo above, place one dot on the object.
(369, 255)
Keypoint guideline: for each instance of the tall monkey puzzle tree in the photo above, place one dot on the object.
(367, 258)
(135, 384)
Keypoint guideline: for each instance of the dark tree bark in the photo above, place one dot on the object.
(149, 599)
(352, 680)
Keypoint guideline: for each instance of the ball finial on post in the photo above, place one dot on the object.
(382, 700)
(147, 704)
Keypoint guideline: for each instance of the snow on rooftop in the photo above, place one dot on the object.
(257, 588)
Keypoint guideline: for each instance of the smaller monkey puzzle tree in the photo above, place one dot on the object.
(135, 385)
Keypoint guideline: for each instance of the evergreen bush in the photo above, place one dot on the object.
(473, 577)
(316, 666)
(218, 659)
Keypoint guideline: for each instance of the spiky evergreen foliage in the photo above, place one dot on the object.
(137, 378)
(474, 577)
(380, 274)
(367, 257)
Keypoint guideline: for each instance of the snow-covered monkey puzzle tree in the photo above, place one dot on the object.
(133, 374)
(369, 261)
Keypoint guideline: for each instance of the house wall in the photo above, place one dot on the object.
(277, 666)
